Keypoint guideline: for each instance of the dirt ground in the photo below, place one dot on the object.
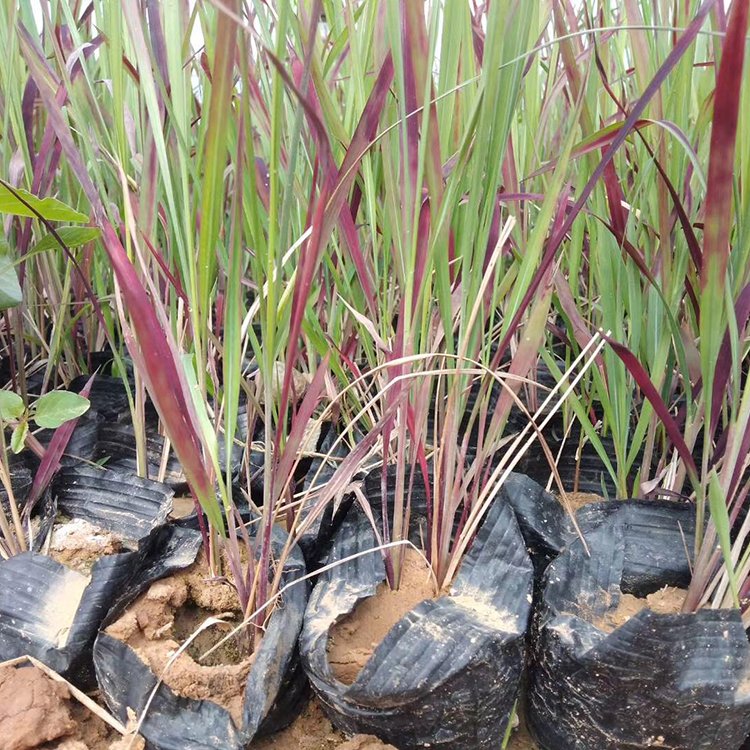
(668, 600)
(313, 731)
(38, 713)
(163, 617)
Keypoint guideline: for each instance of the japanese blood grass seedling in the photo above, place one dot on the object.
(187, 325)
(367, 451)
(479, 491)
(628, 266)
(721, 572)
(474, 481)
(710, 342)
(141, 307)
(419, 251)
(57, 410)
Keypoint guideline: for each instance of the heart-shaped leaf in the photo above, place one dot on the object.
(11, 405)
(56, 407)
(71, 236)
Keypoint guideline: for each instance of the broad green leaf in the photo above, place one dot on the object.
(18, 438)
(10, 290)
(56, 407)
(11, 405)
(14, 202)
(71, 236)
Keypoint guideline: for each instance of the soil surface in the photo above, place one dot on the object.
(313, 731)
(164, 617)
(78, 544)
(39, 713)
(182, 506)
(353, 640)
(521, 740)
(578, 500)
(666, 601)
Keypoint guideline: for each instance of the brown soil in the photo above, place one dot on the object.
(40, 713)
(182, 507)
(668, 600)
(353, 640)
(157, 623)
(365, 742)
(78, 544)
(578, 500)
(312, 731)
(521, 740)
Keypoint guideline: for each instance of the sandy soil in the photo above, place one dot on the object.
(668, 600)
(38, 713)
(578, 500)
(182, 507)
(521, 740)
(313, 731)
(164, 617)
(78, 544)
(353, 640)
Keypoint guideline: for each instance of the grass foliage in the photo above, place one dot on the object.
(392, 216)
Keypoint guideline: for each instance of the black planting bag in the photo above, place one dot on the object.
(447, 675)
(52, 612)
(274, 691)
(677, 681)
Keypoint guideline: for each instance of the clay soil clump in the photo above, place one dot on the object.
(354, 639)
(666, 601)
(161, 619)
(182, 506)
(38, 713)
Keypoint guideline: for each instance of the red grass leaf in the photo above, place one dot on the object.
(632, 120)
(649, 391)
(328, 209)
(158, 352)
(717, 221)
(724, 360)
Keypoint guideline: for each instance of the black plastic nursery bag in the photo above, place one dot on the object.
(51, 611)
(447, 675)
(679, 681)
(274, 691)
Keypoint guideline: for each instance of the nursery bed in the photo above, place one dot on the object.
(410, 340)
